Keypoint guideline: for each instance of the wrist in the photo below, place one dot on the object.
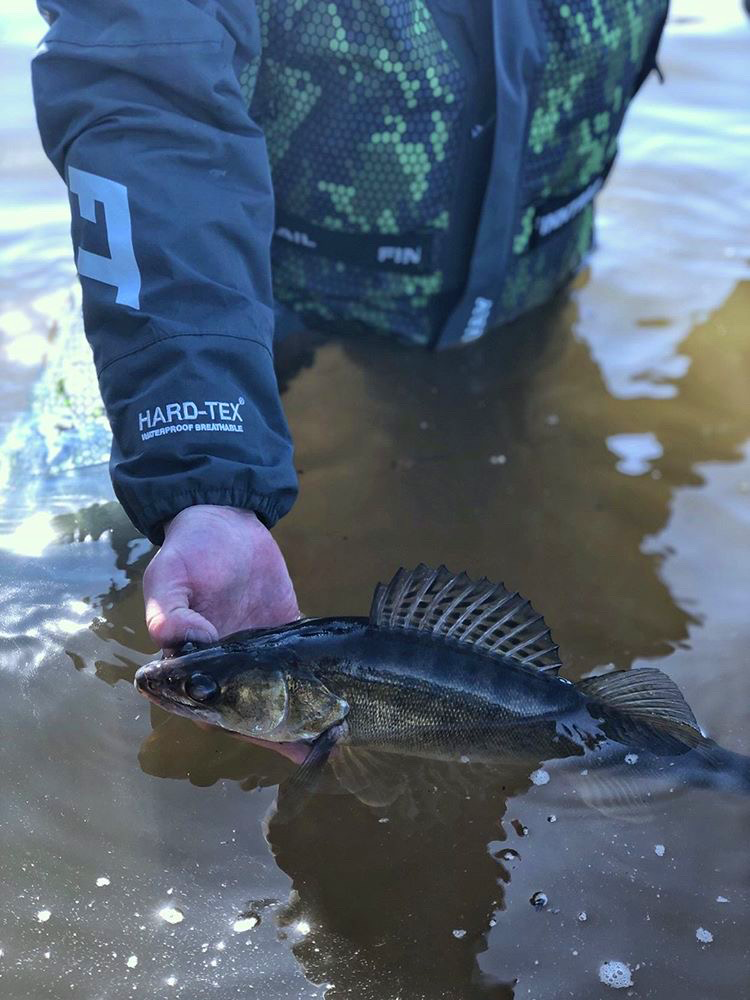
(237, 517)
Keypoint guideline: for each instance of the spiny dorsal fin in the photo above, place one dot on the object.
(483, 614)
(645, 693)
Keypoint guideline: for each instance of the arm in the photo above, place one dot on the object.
(141, 111)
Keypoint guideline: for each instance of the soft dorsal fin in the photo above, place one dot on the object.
(646, 694)
(483, 614)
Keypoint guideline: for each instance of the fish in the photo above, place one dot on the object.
(444, 668)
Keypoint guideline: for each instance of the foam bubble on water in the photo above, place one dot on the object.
(102, 881)
(704, 936)
(171, 980)
(43, 916)
(540, 776)
(132, 962)
(615, 974)
(459, 932)
(171, 914)
(631, 758)
(659, 850)
(635, 452)
(244, 924)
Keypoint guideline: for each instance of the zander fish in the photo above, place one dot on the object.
(445, 668)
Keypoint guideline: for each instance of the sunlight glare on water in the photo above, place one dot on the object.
(31, 537)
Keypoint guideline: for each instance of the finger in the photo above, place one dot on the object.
(172, 627)
(169, 618)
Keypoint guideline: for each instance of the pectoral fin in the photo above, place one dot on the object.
(375, 778)
(297, 789)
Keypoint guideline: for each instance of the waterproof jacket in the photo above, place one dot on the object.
(434, 167)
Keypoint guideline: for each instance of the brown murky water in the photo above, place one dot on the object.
(596, 455)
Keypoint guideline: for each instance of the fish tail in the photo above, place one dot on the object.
(645, 708)
(722, 769)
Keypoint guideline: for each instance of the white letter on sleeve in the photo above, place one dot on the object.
(120, 268)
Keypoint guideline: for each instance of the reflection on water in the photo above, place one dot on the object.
(596, 456)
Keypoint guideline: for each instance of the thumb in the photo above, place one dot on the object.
(173, 626)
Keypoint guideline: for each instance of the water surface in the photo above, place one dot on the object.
(595, 455)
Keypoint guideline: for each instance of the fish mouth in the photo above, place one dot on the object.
(141, 679)
(147, 684)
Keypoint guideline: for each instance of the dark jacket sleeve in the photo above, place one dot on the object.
(140, 109)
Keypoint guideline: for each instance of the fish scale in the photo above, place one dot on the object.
(440, 697)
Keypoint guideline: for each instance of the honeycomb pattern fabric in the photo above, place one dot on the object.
(594, 60)
(360, 102)
(366, 112)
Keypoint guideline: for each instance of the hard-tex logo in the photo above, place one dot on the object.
(189, 415)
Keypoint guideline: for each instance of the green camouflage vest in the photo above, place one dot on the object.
(435, 162)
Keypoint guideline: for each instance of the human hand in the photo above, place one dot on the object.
(218, 571)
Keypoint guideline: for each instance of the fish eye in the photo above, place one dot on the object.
(201, 687)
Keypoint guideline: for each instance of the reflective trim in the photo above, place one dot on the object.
(120, 268)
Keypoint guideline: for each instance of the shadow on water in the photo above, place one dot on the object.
(364, 879)
(493, 460)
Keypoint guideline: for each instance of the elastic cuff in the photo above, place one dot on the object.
(150, 519)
